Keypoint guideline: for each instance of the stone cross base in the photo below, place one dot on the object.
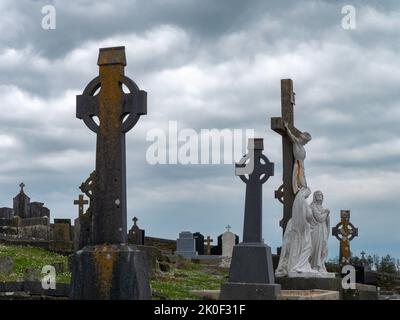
(110, 272)
(251, 275)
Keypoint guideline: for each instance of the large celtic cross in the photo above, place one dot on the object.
(117, 113)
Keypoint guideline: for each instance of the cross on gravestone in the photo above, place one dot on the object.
(22, 185)
(208, 243)
(111, 105)
(262, 170)
(135, 220)
(109, 268)
(228, 228)
(284, 193)
(344, 231)
(251, 273)
(81, 203)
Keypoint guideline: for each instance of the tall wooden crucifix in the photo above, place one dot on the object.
(284, 193)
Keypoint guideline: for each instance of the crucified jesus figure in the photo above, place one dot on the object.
(299, 154)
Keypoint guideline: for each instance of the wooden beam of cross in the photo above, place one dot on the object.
(208, 244)
(344, 231)
(80, 202)
(285, 193)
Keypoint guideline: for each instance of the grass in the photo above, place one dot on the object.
(32, 257)
(173, 285)
(176, 284)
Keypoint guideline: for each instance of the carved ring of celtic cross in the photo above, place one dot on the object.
(129, 99)
(258, 169)
(87, 186)
(340, 233)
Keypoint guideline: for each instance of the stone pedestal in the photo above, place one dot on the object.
(251, 274)
(110, 272)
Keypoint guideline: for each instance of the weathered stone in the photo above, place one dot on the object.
(6, 265)
(6, 213)
(344, 231)
(31, 274)
(62, 230)
(136, 235)
(110, 272)
(109, 268)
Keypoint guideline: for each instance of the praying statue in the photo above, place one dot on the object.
(299, 154)
(305, 242)
(297, 244)
(320, 223)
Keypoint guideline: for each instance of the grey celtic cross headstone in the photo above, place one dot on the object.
(251, 274)
(110, 268)
(285, 193)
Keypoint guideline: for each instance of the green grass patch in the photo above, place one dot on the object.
(32, 257)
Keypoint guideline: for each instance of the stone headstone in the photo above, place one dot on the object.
(6, 265)
(6, 213)
(109, 268)
(186, 245)
(199, 239)
(31, 274)
(251, 274)
(228, 242)
(344, 231)
(136, 235)
(62, 230)
(21, 203)
(38, 210)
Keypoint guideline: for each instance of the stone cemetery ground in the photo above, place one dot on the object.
(174, 283)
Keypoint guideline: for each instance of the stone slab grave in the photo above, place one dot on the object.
(109, 268)
(251, 274)
(6, 265)
(186, 245)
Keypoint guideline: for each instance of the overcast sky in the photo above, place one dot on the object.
(210, 64)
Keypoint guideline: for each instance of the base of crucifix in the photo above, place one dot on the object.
(110, 272)
(251, 275)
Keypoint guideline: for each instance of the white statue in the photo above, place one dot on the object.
(297, 245)
(320, 226)
(299, 154)
(305, 243)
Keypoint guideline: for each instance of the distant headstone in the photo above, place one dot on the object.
(6, 265)
(62, 230)
(228, 241)
(21, 203)
(208, 245)
(199, 239)
(6, 213)
(31, 274)
(136, 235)
(251, 274)
(186, 245)
(38, 210)
(344, 231)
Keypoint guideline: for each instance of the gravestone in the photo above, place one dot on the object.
(62, 230)
(83, 225)
(110, 268)
(136, 235)
(344, 231)
(38, 210)
(6, 213)
(208, 241)
(21, 203)
(285, 193)
(186, 245)
(199, 239)
(251, 274)
(228, 239)
(6, 265)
